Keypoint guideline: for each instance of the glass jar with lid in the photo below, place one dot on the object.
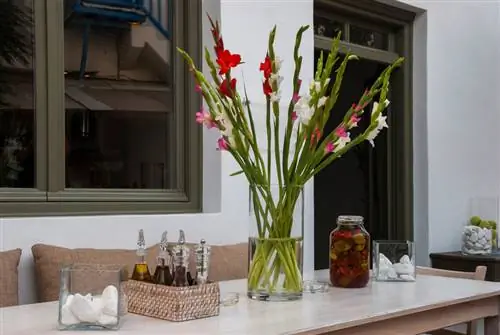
(349, 253)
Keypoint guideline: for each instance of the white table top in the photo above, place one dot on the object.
(336, 309)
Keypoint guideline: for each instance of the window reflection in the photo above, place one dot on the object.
(17, 157)
(369, 38)
(119, 109)
(328, 27)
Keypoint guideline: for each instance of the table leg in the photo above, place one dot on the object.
(492, 325)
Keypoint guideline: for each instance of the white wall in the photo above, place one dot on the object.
(225, 198)
(455, 116)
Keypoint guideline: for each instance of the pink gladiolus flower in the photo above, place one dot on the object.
(354, 120)
(295, 98)
(294, 116)
(203, 117)
(330, 146)
(340, 132)
(222, 144)
(197, 88)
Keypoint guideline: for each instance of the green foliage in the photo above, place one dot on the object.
(475, 221)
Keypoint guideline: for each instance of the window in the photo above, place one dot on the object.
(96, 107)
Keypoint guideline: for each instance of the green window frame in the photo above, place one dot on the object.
(50, 196)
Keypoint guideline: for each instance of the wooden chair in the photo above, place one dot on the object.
(479, 274)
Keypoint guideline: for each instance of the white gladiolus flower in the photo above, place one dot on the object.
(275, 78)
(304, 110)
(342, 142)
(275, 96)
(381, 123)
(322, 101)
(277, 63)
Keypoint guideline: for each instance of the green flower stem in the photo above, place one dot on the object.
(285, 261)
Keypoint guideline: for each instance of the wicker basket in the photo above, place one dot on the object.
(173, 303)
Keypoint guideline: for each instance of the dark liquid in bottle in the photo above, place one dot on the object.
(163, 276)
(180, 276)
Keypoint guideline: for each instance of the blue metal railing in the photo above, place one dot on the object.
(160, 15)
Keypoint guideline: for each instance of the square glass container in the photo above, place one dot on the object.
(90, 297)
(480, 233)
(394, 261)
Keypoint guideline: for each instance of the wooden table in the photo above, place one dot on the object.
(457, 261)
(380, 309)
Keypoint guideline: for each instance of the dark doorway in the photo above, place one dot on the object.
(355, 184)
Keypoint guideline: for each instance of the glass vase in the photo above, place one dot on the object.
(394, 261)
(479, 236)
(275, 247)
(91, 297)
(349, 253)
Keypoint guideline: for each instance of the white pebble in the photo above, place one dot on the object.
(405, 260)
(84, 308)
(403, 269)
(107, 320)
(109, 300)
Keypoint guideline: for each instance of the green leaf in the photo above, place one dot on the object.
(236, 173)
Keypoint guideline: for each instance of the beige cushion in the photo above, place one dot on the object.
(9, 261)
(227, 263)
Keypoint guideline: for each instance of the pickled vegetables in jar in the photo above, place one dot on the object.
(349, 253)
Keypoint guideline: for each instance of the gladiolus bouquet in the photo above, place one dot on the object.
(300, 151)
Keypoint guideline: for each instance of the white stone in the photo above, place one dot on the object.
(85, 309)
(67, 317)
(405, 260)
(107, 320)
(404, 269)
(476, 240)
(383, 261)
(109, 300)
(473, 237)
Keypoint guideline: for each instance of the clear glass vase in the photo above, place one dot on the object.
(480, 236)
(91, 297)
(275, 245)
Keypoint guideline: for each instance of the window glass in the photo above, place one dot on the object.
(368, 37)
(328, 27)
(119, 95)
(17, 103)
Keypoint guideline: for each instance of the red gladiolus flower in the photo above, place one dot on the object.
(226, 89)
(219, 44)
(266, 67)
(266, 86)
(227, 60)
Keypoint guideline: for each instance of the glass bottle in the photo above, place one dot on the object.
(163, 275)
(202, 262)
(141, 269)
(349, 253)
(181, 261)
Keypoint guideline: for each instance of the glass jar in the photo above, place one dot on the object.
(90, 297)
(479, 236)
(349, 253)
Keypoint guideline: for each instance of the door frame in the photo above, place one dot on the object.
(400, 146)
